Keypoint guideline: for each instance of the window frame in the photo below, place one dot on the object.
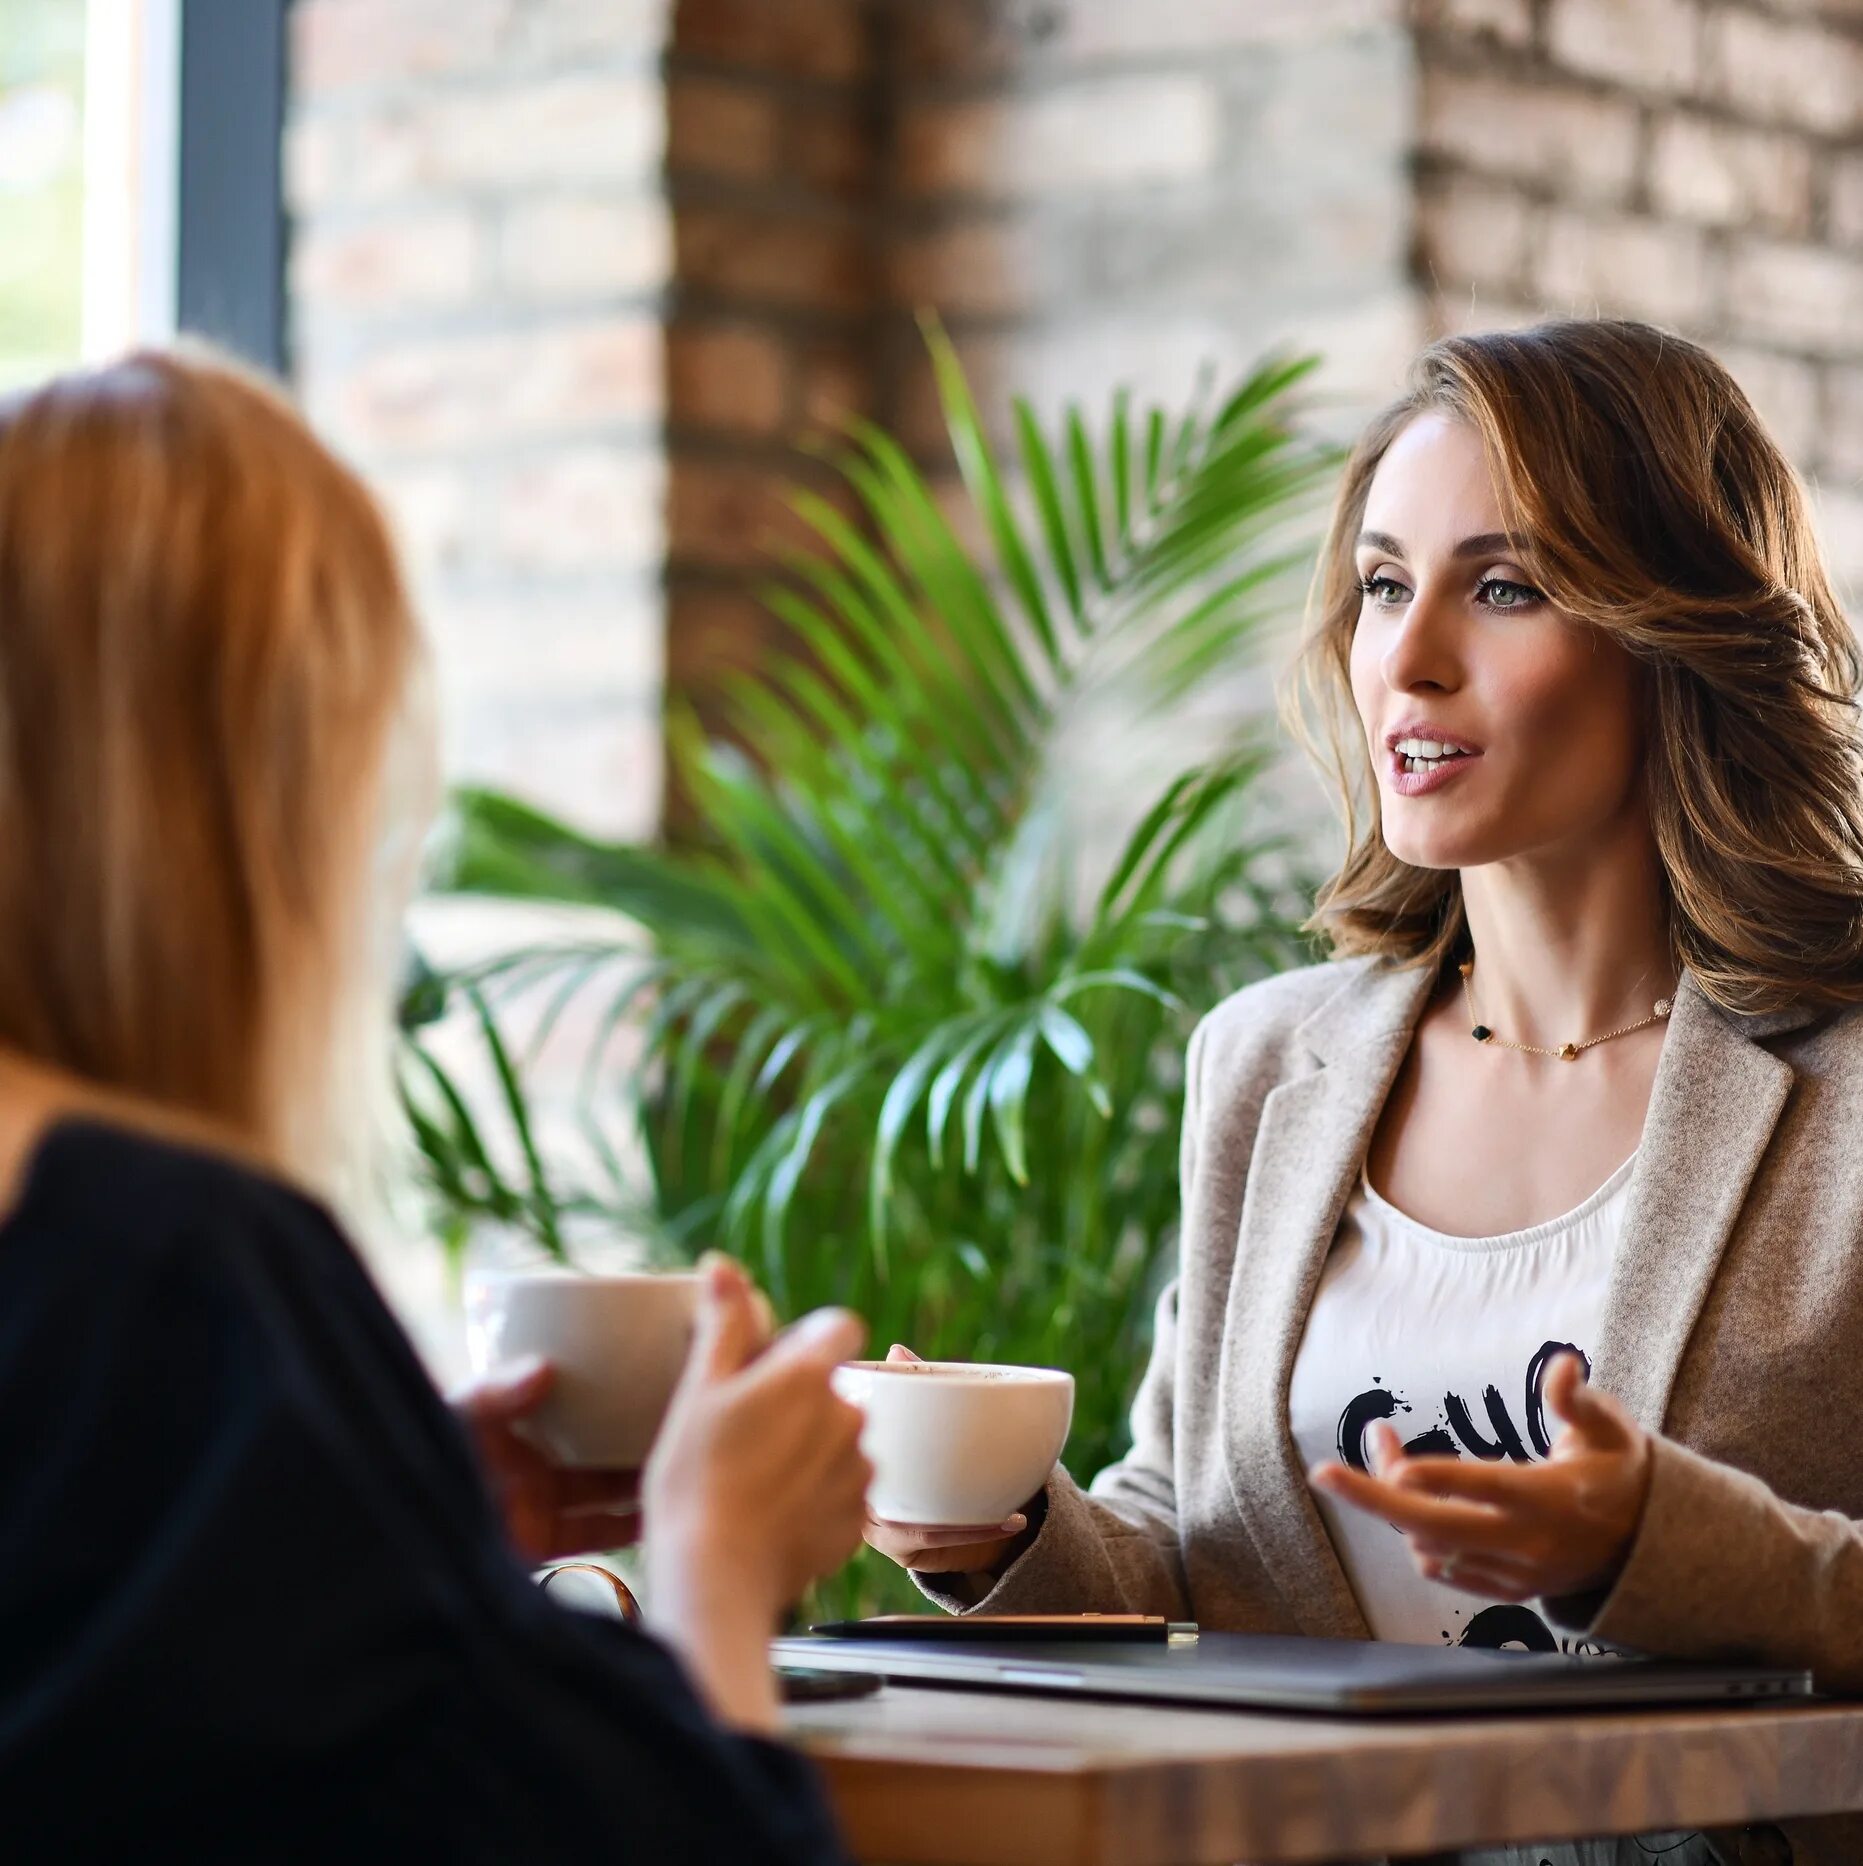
(229, 263)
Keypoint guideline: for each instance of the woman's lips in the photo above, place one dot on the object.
(1422, 783)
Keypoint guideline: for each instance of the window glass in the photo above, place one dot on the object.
(41, 186)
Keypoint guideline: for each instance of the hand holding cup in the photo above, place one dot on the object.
(758, 1467)
(550, 1510)
(755, 1488)
(1032, 1407)
(573, 1375)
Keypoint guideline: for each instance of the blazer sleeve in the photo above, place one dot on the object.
(1722, 1567)
(1114, 1547)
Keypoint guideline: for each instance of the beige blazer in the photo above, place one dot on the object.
(1733, 1328)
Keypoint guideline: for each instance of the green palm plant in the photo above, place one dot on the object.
(905, 1037)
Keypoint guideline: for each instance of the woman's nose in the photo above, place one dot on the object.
(1423, 652)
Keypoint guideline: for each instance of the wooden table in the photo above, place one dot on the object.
(934, 1777)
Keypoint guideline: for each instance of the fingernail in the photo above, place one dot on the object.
(1013, 1525)
(824, 1324)
(724, 1276)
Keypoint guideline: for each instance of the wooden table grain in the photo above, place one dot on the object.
(938, 1777)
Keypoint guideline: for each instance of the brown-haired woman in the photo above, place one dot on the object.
(258, 1604)
(1530, 1223)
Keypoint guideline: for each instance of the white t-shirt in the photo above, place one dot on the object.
(1448, 1338)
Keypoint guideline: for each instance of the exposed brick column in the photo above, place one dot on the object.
(1690, 161)
(772, 170)
(481, 249)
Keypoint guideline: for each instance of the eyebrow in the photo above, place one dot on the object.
(1484, 544)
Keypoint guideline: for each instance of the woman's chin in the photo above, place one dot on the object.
(1430, 850)
(1436, 832)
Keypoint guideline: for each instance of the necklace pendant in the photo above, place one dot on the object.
(1568, 1052)
(1481, 1033)
(1663, 1007)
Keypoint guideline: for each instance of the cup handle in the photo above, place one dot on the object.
(590, 1588)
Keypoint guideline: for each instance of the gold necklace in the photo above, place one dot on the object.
(1566, 1052)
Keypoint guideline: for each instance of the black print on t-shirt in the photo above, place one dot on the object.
(1455, 1434)
(1506, 1624)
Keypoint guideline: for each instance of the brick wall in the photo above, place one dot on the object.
(481, 247)
(1096, 191)
(1696, 162)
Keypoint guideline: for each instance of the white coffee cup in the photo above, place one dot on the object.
(957, 1442)
(618, 1344)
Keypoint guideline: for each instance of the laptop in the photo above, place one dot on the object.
(1261, 1672)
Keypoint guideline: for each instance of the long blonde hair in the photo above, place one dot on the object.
(204, 639)
(1656, 507)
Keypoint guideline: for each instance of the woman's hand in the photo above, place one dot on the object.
(755, 1488)
(1516, 1532)
(971, 1549)
(549, 1510)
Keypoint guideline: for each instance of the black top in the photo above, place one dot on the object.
(255, 1603)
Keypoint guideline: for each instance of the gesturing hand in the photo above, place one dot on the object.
(549, 1510)
(1515, 1532)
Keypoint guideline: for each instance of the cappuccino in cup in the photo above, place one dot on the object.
(956, 1443)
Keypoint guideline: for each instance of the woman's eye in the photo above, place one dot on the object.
(1498, 593)
(1383, 592)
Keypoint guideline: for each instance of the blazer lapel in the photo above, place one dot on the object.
(1715, 1102)
(1308, 1151)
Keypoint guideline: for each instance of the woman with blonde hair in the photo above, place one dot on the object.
(1528, 1225)
(258, 1602)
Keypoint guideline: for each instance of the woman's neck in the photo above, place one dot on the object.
(35, 1096)
(1569, 945)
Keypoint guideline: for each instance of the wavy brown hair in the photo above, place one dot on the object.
(1654, 505)
(204, 644)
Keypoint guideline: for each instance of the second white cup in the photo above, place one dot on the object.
(618, 1343)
